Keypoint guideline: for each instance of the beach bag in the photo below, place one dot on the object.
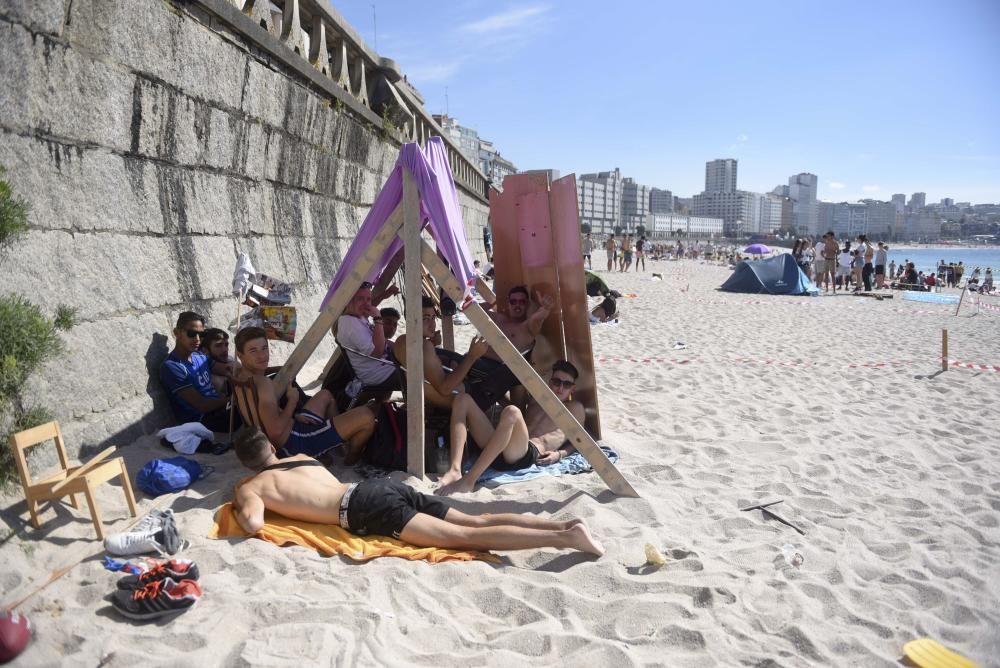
(387, 447)
(163, 476)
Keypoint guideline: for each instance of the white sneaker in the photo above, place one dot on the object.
(156, 532)
(134, 542)
(152, 521)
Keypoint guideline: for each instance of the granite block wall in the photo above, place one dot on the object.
(153, 149)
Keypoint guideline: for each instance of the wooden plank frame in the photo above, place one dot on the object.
(414, 327)
(538, 388)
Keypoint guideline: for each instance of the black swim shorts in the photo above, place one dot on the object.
(529, 459)
(384, 507)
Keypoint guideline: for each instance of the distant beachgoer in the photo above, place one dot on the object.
(880, 255)
(604, 311)
(987, 280)
(868, 267)
(959, 270)
(609, 248)
(857, 268)
(892, 267)
(588, 248)
(640, 253)
(808, 252)
(844, 265)
(828, 267)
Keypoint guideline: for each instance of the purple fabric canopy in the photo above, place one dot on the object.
(438, 207)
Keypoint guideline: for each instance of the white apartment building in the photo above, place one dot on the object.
(720, 176)
(599, 197)
(802, 188)
(739, 210)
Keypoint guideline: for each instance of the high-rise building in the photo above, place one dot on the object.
(661, 201)
(870, 217)
(918, 201)
(599, 197)
(771, 206)
(635, 204)
(805, 211)
(720, 176)
(899, 201)
(947, 202)
(739, 210)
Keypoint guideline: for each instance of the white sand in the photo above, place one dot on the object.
(893, 472)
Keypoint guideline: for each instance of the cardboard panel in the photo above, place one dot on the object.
(538, 270)
(568, 244)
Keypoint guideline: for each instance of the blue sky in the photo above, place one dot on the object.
(874, 97)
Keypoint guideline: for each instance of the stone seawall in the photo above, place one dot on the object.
(152, 150)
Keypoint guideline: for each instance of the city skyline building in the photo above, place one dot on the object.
(918, 201)
(635, 204)
(720, 175)
(661, 201)
(802, 189)
(599, 197)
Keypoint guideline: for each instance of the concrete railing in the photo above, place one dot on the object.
(314, 41)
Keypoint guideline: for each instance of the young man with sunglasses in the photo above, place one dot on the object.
(519, 440)
(186, 375)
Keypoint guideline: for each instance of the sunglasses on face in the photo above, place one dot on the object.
(560, 383)
(193, 333)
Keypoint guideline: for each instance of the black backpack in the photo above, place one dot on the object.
(387, 447)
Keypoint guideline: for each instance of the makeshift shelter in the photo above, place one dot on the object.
(778, 275)
(421, 192)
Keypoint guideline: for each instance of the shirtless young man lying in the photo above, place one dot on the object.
(519, 439)
(301, 488)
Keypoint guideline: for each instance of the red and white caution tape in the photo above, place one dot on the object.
(972, 365)
(790, 363)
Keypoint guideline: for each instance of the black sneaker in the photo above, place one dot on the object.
(157, 599)
(175, 569)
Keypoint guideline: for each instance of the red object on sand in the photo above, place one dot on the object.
(15, 634)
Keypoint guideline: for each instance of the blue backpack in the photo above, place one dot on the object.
(163, 476)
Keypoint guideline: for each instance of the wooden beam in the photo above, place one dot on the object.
(538, 388)
(414, 328)
(448, 332)
(339, 301)
(485, 291)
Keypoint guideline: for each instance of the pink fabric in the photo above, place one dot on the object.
(438, 208)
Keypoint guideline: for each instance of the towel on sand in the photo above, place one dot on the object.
(329, 540)
(573, 464)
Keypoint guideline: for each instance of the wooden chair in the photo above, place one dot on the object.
(70, 479)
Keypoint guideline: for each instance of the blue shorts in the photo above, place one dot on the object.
(311, 439)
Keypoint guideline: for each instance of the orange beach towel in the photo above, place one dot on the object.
(330, 540)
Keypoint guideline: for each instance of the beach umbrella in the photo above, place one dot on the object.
(757, 249)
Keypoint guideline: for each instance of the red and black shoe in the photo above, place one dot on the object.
(157, 599)
(175, 569)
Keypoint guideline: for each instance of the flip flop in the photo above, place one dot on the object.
(928, 653)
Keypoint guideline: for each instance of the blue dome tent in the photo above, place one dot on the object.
(778, 275)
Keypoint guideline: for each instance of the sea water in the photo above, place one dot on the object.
(927, 259)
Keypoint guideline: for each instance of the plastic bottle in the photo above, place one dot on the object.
(441, 456)
(792, 555)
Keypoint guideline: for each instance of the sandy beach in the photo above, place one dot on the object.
(836, 405)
